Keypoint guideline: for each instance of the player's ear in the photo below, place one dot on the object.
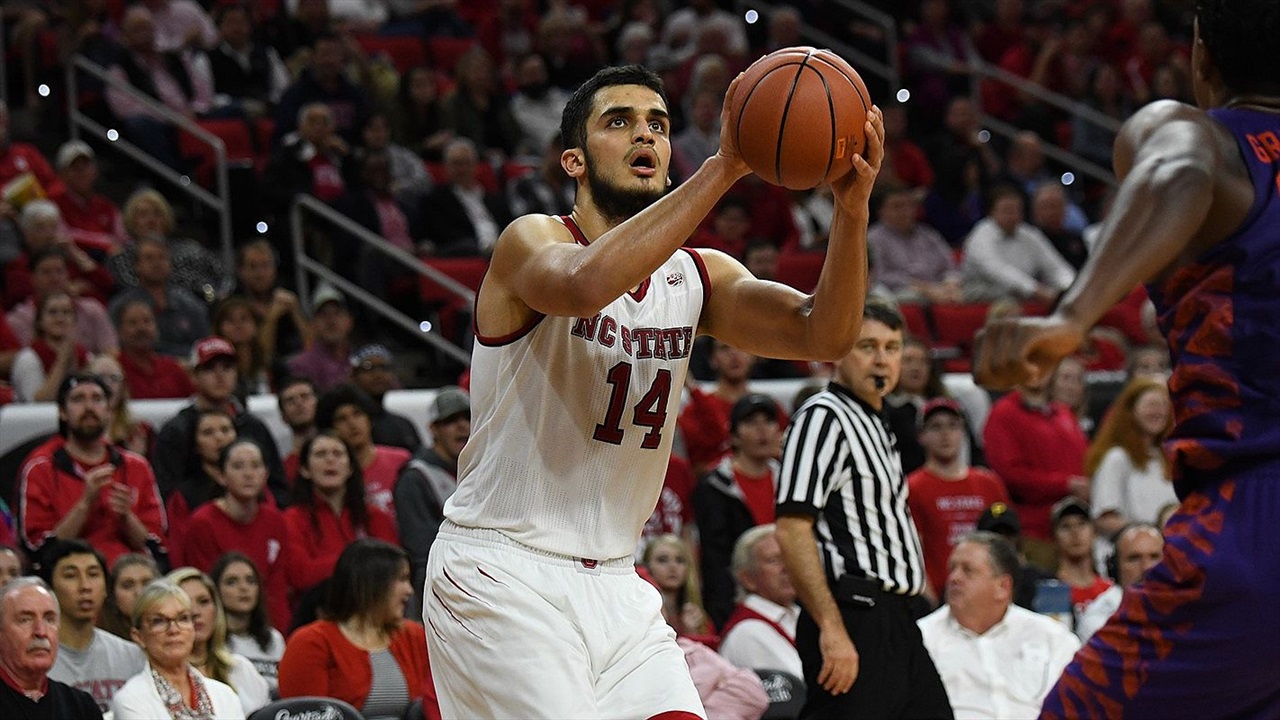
(574, 162)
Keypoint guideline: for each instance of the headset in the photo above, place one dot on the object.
(1113, 559)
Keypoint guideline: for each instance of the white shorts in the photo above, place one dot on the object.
(517, 633)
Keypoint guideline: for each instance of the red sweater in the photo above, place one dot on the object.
(264, 539)
(52, 483)
(317, 545)
(1036, 452)
(155, 377)
(320, 660)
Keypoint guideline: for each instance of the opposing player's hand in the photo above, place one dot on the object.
(839, 660)
(1022, 351)
(852, 191)
(728, 146)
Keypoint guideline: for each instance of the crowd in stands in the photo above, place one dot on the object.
(432, 125)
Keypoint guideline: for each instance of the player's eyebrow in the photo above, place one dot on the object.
(629, 110)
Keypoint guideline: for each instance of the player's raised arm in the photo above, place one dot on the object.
(773, 320)
(628, 147)
(1169, 158)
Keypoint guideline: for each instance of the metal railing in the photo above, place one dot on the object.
(219, 201)
(981, 69)
(305, 264)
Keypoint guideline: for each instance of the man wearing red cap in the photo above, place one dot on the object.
(947, 496)
(215, 373)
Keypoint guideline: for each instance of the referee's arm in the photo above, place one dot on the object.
(800, 555)
(804, 480)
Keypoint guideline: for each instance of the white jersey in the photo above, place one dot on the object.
(573, 418)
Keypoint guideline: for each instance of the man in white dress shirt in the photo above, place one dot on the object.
(761, 632)
(996, 660)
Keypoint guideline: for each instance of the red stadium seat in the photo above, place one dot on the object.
(404, 52)
(917, 321)
(800, 270)
(469, 272)
(234, 134)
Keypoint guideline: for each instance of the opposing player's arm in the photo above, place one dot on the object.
(773, 320)
(1169, 157)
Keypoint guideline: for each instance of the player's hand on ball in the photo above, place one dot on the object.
(1022, 351)
(852, 191)
(839, 660)
(728, 146)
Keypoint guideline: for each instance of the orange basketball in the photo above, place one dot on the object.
(798, 115)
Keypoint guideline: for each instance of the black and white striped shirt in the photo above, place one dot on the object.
(840, 465)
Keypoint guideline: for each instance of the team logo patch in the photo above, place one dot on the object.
(675, 279)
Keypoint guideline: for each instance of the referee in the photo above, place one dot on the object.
(850, 546)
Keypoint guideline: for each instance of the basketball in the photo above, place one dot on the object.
(798, 115)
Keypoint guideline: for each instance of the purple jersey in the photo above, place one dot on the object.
(1221, 315)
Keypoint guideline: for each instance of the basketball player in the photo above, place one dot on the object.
(583, 326)
(1198, 217)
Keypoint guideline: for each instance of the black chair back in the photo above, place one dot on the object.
(786, 694)
(307, 708)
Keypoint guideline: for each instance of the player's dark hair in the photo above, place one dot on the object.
(881, 311)
(1239, 35)
(573, 123)
(363, 578)
(1004, 558)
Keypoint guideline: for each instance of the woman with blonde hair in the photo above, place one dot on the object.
(668, 561)
(1131, 478)
(209, 653)
(194, 267)
(169, 687)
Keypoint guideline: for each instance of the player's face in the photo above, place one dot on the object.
(628, 152)
(972, 583)
(769, 578)
(81, 586)
(942, 436)
(239, 589)
(877, 356)
(669, 567)
(1151, 412)
(1139, 552)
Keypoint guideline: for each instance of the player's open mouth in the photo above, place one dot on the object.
(644, 163)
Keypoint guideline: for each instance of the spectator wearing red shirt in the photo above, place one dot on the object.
(329, 511)
(736, 496)
(148, 374)
(1036, 446)
(19, 158)
(348, 412)
(704, 421)
(947, 496)
(77, 485)
(92, 219)
(243, 520)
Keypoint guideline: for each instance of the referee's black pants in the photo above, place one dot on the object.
(896, 676)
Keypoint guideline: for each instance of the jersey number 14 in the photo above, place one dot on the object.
(650, 412)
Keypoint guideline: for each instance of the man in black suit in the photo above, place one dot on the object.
(460, 217)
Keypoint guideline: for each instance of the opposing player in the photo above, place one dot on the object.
(584, 325)
(1198, 217)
